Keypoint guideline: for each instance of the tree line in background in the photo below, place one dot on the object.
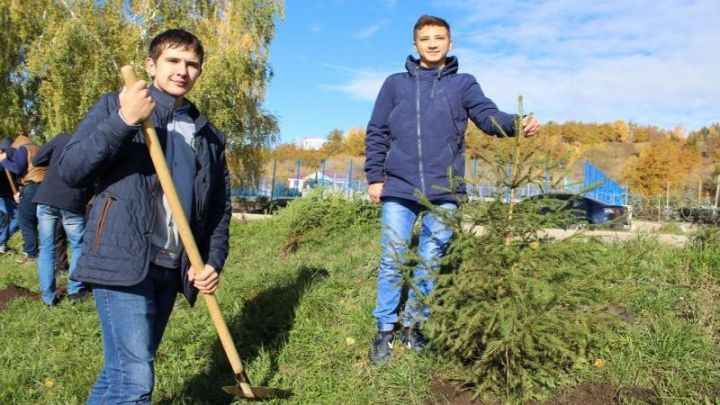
(58, 56)
(648, 159)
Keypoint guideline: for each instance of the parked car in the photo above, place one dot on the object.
(577, 211)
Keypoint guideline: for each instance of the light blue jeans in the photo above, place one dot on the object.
(398, 219)
(132, 320)
(74, 225)
(8, 219)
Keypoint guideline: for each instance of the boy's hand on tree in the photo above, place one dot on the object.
(530, 126)
(136, 104)
(206, 281)
(374, 192)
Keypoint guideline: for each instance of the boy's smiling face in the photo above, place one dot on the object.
(175, 70)
(432, 43)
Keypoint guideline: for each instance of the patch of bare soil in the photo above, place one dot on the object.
(602, 394)
(585, 394)
(446, 393)
(13, 291)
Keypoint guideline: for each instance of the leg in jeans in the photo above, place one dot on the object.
(132, 320)
(10, 223)
(27, 219)
(4, 222)
(61, 245)
(47, 218)
(398, 218)
(74, 227)
(432, 243)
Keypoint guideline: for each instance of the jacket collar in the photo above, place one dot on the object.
(165, 107)
(451, 65)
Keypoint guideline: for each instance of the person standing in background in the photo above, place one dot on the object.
(20, 165)
(58, 203)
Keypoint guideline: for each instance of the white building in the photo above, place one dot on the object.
(311, 143)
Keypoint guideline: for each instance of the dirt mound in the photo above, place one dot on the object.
(603, 393)
(13, 291)
(445, 393)
(585, 394)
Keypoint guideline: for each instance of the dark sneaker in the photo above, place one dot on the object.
(54, 303)
(79, 296)
(381, 347)
(412, 338)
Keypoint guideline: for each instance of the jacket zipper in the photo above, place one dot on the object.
(199, 148)
(103, 218)
(437, 78)
(419, 133)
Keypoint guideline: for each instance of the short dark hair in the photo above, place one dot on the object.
(174, 38)
(426, 20)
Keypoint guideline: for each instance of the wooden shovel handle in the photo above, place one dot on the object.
(168, 187)
(11, 181)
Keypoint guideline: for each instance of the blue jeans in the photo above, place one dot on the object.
(8, 219)
(27, 219)
(74, 226)
(133, 321)
(398, 219)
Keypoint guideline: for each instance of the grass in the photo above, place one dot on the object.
(303, 322)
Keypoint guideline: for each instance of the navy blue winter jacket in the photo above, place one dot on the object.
(106, 152)
(53, 191)
(416, 135)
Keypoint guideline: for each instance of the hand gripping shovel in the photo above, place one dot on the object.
(243, 387)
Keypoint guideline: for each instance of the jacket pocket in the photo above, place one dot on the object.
(457, 113)
(107, 205)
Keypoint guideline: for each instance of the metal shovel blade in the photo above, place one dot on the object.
(258, 392)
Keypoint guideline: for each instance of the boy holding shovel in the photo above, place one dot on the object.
(132, 254)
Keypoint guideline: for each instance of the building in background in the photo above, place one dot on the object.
(310, 143)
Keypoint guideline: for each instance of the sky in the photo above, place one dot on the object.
(650, 62)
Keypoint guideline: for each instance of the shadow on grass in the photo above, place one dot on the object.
(264, 324)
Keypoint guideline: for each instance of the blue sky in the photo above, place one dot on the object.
(650, 62)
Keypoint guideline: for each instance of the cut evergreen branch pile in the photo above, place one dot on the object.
(321, 214)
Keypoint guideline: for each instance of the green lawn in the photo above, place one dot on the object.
(303, 323)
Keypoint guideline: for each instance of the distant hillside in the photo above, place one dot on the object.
(645, 158)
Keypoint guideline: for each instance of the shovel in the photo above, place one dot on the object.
(11, 181)
(242, 387)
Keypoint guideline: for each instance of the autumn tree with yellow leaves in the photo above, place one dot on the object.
(660, 164)
(355, 142)
(58, 56)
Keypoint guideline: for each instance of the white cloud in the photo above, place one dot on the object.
(652, 62)
(315, 27)
(369, 31)
(388, 4)
(364, 85)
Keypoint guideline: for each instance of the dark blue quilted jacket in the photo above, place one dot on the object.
(112, 156)
(415, 137)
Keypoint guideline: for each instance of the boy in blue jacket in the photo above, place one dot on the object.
(415, 144)
(132, 255)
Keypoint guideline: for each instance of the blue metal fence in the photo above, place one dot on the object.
(350, 182)
(604, 189)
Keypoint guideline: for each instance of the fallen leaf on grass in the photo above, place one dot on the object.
(349, 341)
(49, 383)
